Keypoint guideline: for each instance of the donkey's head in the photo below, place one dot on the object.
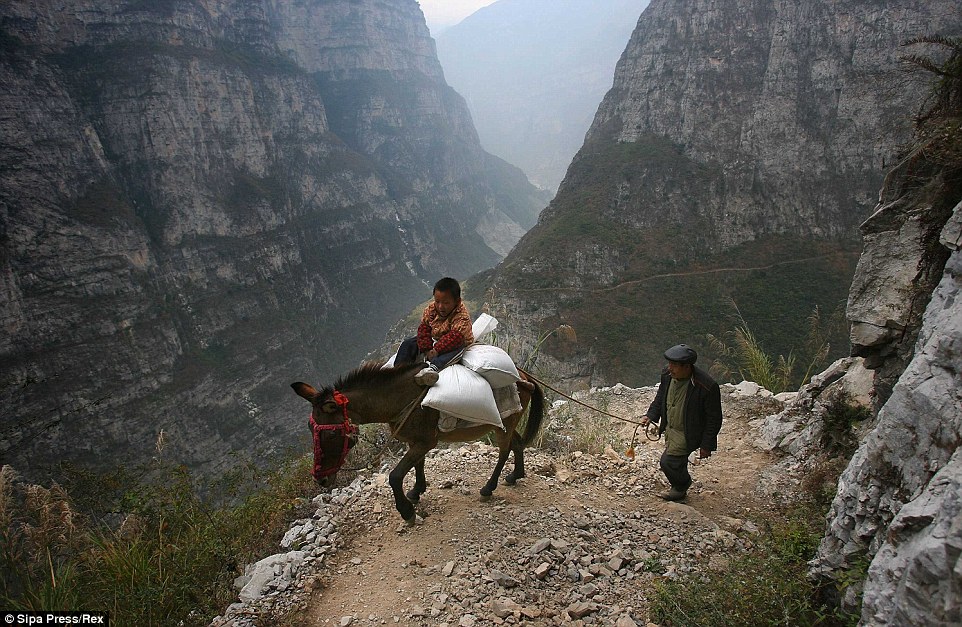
(332, 432)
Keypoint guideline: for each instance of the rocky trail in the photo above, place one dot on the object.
(579, 541)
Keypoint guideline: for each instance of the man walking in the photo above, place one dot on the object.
(687, 409)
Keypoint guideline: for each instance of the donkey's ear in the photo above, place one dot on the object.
(304, 391)
(329, 407)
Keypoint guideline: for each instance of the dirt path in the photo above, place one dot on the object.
(654, 277)
(477, 563)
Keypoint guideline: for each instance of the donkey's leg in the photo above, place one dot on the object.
(503, 450)
(420, 482)
(396, 480)
(517, 446)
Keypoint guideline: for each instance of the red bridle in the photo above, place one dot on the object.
(347, 430)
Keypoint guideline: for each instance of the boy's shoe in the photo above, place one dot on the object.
(674, 495)
(427, 377)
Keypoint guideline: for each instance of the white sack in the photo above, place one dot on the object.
(483, 325)
(492, 363)
(465, 394)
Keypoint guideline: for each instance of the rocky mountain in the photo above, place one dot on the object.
(202, 201)
(897, 510)
(740, 147)
(533, 73)
(893, 530)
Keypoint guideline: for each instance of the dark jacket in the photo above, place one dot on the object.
(703, 415)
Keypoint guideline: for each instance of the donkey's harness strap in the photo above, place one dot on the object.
(403, 415)
(345, 427)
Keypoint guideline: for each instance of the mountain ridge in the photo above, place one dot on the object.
(201, 202)
(781, 158)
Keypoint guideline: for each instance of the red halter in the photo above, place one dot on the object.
(347, 430)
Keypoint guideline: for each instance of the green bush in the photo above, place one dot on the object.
(142, 545)
(838, 424)
(743, 355)
(767, 585)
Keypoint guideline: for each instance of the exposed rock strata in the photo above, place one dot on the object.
(897, 503)
(737, 135)
(901, 263)
(203, 201)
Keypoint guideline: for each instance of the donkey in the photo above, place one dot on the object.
(372, 394)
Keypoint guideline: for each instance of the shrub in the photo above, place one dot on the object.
(744, 355)
(148, 551)
(841, 416)
(767, 585)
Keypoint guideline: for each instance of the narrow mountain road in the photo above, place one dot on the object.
(667, 275)
(578, 542)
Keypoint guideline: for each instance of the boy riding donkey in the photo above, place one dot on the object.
(444, 331)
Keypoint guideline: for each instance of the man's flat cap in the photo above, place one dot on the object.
(681, 354)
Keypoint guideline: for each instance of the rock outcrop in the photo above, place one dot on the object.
(897, 510)
(201, 202)
(740, 146)
(900, 265)
(897, 506)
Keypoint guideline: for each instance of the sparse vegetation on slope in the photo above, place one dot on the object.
(149, 552)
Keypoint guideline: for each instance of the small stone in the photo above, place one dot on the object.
(448, 569)
(581, 609)
(539, 546)
(542, 570)
(346, 620)
(501, 579)
(503, 607)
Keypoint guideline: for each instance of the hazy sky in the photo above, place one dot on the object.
(440, 14)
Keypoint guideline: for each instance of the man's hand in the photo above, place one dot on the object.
(703, 453)
(645, 422)
(431, 354)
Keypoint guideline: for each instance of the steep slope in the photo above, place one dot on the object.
(201, 202)
(533, 72)
(740, 146)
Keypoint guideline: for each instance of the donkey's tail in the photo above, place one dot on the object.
(535, 415)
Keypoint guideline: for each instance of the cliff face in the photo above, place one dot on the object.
(897, 508)
(739, 148)
(201, 202)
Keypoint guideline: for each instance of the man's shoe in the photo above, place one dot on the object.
(674, 495)
(427, 377)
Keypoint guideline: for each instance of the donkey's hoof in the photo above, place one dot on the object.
(408, 523)
(510, 480)
(486, 493)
